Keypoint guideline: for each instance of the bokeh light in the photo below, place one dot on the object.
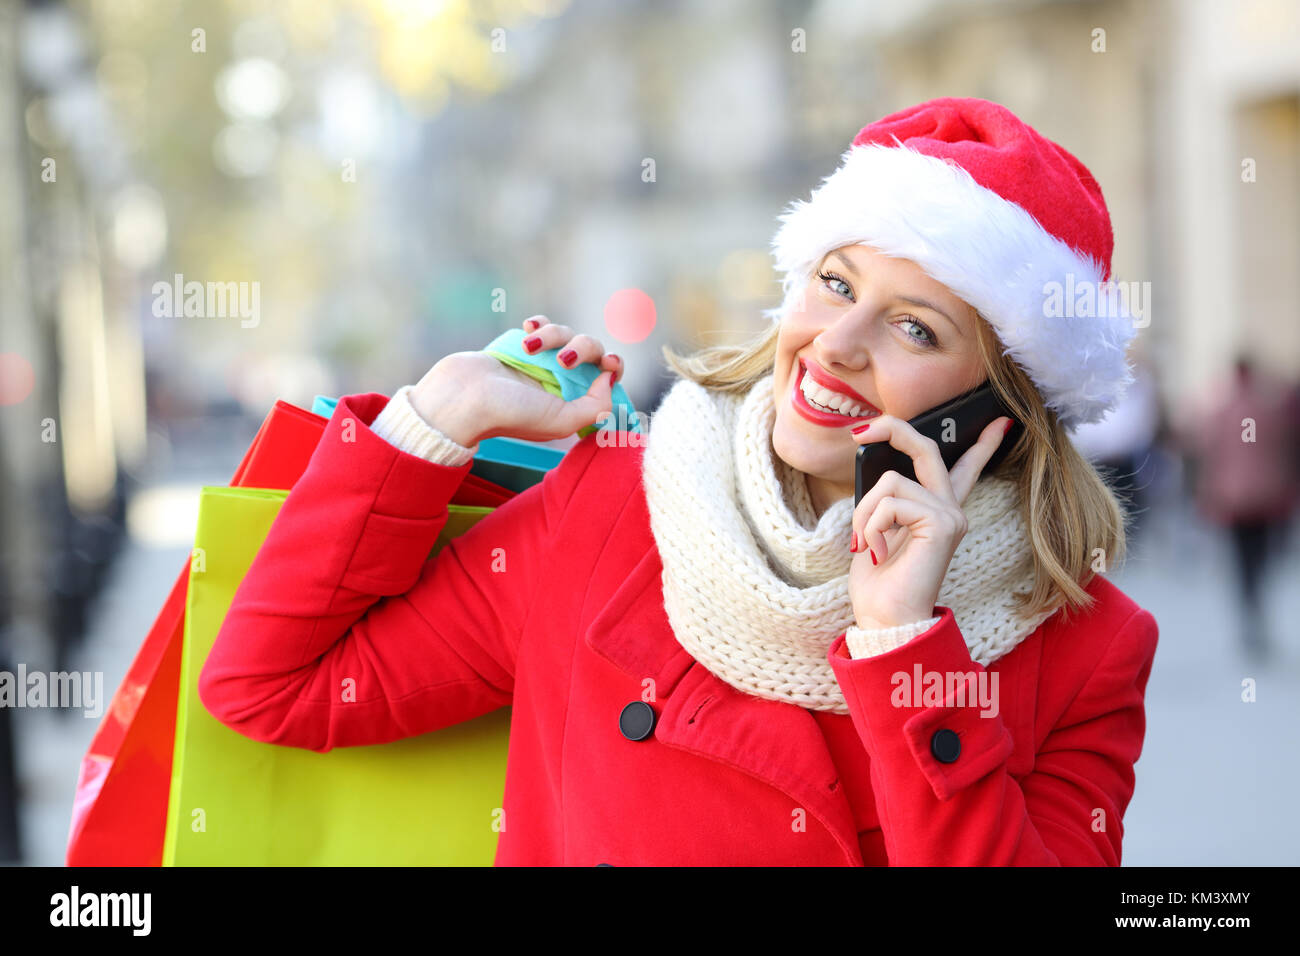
(629, 316)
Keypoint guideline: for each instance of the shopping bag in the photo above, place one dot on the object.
(419, 801)
(513, 464)
(120, 804)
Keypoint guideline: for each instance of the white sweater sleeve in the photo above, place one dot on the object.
(400, 425)
(882, 640)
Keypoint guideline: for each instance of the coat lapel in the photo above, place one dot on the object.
(779, 744)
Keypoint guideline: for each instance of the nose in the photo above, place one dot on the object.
(847, 341)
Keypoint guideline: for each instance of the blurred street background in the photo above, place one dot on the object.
(383, 182)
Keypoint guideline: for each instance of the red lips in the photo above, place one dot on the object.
(816, 415)
(826, 380)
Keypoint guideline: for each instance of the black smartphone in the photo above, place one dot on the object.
(955, 425)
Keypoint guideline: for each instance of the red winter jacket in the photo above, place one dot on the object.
(554, 604)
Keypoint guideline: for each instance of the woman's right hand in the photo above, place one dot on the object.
(469, 396)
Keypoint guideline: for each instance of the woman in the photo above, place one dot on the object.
(712, 656)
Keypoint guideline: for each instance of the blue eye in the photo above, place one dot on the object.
(829, 277)
(929, 336)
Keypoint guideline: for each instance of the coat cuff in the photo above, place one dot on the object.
(408, 486)
(868, 642)
(400, 425)
(912, 704)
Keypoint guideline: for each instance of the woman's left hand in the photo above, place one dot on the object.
(912, 528)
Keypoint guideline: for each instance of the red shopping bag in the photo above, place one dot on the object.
(121, 798)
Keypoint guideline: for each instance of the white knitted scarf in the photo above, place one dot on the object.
(756, 585)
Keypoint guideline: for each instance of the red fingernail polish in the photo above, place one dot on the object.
(567, 357)
(532, 344)
(861, 428)
(530, 324)
(1008, 425)
(853, 545)
(873, 557)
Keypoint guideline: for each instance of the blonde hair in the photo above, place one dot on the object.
(1068, 509)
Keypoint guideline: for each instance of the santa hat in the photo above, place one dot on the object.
(1005, 218)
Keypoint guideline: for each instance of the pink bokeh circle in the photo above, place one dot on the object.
(17, 378)
(629, 316)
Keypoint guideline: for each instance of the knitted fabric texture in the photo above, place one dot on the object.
(399, 424)
(756, 585)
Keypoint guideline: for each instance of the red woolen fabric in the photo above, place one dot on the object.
(854, 765)
(553, 604)
(1004, 154)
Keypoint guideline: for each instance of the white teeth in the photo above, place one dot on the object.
(829, 401)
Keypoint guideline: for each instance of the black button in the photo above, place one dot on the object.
(604, 864)
(945, 745)
(637, 720)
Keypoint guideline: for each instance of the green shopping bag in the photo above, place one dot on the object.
(425, 800)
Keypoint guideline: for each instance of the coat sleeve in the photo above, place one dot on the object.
(967, 809)
(344, 633)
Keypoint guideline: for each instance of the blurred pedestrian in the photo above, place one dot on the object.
(1243, 449)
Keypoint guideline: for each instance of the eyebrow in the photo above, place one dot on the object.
(903, 298)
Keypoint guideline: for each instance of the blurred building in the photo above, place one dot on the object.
(72, 414)
(1230, 188)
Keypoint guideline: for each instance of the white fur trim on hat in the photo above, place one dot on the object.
(989, 251)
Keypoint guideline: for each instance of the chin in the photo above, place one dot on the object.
(807, 454)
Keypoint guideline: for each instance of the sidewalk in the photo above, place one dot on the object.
(1215, 777)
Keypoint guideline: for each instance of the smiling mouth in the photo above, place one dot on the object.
(808, 396)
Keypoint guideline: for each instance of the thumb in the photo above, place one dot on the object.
(591, 407)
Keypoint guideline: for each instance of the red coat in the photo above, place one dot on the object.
(554, 604)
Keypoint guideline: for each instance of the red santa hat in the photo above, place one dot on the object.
(1008, 220)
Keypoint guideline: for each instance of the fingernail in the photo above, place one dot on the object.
(1006, 428)
(861, 428)
(531, 345)
(873, 557)
(613, 379)
(530, 325)
(567, 357)
(853, 544)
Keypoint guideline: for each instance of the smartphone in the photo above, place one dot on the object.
(954, 425)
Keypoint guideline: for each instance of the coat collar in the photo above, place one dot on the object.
(779, 744)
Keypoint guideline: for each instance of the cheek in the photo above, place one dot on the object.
(912, 389)
(898, 382)
(787, 344)
(798, 328)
